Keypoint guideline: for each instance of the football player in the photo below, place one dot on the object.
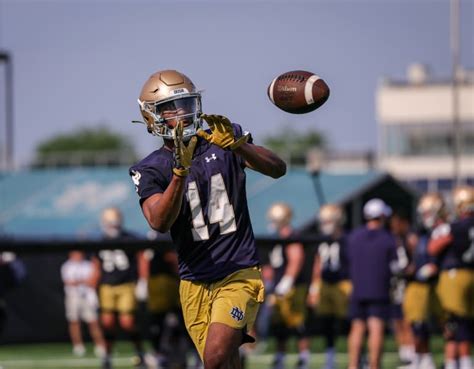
(421, 303)
(167, 332)
(330, 286)
(117, 271)
(81, 302)
(372, 262)
(194, 186)
(454, 245)
(400, 228)
(290, 288)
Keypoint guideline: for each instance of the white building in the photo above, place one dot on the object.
(415, 125)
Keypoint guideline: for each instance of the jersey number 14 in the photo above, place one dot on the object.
(220, 210)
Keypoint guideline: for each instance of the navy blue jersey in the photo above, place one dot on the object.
(333, 256)
(118, 266)
(279, 261)
(371, 253)
(421, 257)
(163, 263)
(459, 254)
(212, 233)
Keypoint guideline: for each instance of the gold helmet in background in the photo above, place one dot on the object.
(172, 92)
(279, 215)
(111, 221)
(331, 218)
(431, 208)
(463, 199)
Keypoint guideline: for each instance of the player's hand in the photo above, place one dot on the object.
(222, 133)
(426, 272)
(141, 289)
(284, 286)
(314, 295)
(183, 154)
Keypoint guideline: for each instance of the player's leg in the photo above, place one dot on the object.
(157, 308)
(455, 289)
(97, 337)
(234, 305)
(355, 342)
(325, 311)
(419, 304)
(222, 347)
(358, 314)
(126, 306)
(376, 328)
(107, 304)
(89, 315)
(76, 338)
(72, 308)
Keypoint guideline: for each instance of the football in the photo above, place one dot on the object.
(298, 92)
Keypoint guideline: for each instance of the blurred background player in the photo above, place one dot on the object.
(167, 331)
(372, 262)
(117, 271)
(330, 287)
(400, 227)
(291, 284)
(453, 244)
(81, 302)
(12, 273)
(420, 302)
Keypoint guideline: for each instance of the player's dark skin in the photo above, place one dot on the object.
(161, 210)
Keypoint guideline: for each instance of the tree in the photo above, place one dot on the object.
(85, 147)
(293, 145)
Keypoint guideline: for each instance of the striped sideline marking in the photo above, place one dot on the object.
(63, 363)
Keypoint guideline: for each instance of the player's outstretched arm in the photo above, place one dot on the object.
(262, 160)
(162, 209)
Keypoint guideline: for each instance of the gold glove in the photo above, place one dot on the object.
(183, 155)
(222, 133)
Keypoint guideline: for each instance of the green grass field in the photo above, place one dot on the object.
(58, 356)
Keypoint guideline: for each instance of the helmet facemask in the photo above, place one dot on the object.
(158, 114)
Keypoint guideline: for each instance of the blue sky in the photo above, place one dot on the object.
(78, 63)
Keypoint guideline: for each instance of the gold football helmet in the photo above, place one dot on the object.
(170, 95)
(431, 208)
(463, 199)
(331, 217)
(111, 222)
(279, 215)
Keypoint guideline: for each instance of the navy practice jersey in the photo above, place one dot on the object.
(118, 266)
(212, 233)
(333, 257)
(371, 254)
(279, 261)
(163, 263)
(421, 257)
(459, 254)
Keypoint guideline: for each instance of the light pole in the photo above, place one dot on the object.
(314, 164)
(7, 153)
(455, 54)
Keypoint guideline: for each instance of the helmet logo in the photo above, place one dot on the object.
(179, 91)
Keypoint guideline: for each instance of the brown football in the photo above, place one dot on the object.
(298, 92)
